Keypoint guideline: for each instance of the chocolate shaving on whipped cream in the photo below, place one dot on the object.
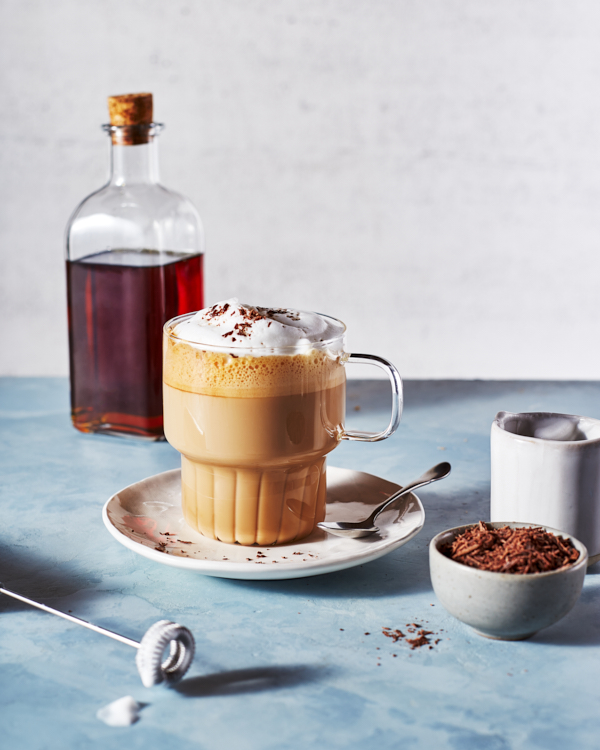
(251, 327)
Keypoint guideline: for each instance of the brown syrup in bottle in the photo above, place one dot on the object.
(118, 303)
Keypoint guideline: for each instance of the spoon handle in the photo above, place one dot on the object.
(432, 475)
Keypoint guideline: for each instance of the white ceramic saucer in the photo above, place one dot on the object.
(146, 517)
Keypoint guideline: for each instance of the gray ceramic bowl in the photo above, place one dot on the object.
(505, 606)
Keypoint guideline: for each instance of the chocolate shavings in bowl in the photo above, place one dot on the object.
(506, 550)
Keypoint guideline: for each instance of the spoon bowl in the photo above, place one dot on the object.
(347, 529)
(367, 527)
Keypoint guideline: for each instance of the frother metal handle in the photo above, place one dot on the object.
(72, 618)
(149, 658)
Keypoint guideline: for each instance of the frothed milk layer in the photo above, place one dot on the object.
(217, 374)
(249, 369)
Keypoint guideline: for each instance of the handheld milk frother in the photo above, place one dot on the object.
(150, 649)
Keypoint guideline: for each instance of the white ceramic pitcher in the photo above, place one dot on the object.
(546, 470)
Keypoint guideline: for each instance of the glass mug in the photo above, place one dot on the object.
(254, 429)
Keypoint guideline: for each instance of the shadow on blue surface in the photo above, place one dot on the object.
(579, 628)
(39, 578)
(594, 570)
(379, 578)
(254, 680)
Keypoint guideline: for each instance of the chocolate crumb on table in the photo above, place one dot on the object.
(420, 640)
(421, 636)
(395, 635)
(505, 550)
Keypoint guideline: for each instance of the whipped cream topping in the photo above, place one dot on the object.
(234, 325)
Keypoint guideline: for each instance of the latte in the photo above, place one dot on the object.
(254, 400)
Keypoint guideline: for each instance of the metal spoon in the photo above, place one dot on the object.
(366, 527)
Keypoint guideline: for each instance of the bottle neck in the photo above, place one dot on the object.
(133, 154)
(134, 165)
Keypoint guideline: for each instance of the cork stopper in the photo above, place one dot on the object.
(132, 113)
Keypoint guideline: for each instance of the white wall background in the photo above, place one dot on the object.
(428, 171)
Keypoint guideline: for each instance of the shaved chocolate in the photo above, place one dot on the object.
(506, 550)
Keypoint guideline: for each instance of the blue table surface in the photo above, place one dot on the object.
(279, 664)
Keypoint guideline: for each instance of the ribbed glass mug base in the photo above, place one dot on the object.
(264, 506)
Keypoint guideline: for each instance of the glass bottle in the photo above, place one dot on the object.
(134, 253)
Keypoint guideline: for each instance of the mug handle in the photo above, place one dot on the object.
(396, 382)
